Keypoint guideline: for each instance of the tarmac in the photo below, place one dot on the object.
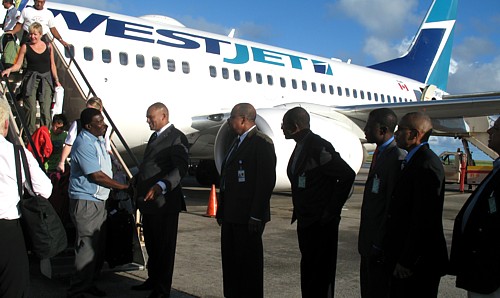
(198, 270)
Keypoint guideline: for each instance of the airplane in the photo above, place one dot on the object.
(132, 62)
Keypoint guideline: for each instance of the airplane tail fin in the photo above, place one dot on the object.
(428, 58)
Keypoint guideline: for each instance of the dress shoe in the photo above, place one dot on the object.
(156, 294)
(95, 291)
(145, 286)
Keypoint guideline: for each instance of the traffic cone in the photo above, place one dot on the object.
(212, 203)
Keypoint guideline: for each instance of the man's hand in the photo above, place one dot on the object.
(402, 272)
(219, 221)
(153, 193)
(255, 226)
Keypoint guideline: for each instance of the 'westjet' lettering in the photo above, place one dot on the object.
(184, 40)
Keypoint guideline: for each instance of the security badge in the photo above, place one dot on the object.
(302, 181)
(241, 172)
(492, 202)
(375, 185)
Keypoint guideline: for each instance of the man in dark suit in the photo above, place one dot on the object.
(475, 249)
(248, 177)
(160, 198)
(321, 181)
(415, 244)
(382, 178)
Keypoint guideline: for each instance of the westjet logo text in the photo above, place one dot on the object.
(238, 53)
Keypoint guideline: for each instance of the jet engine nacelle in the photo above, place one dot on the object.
(337, 131)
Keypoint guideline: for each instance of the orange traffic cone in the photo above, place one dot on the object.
(212, 203)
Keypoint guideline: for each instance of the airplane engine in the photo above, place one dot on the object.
(337, 130)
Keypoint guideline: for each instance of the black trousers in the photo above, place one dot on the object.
(318, 246)
(242, 261)
(375, 277)
(160, 236)
(14, 265)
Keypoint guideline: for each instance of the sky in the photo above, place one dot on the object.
(364, 31)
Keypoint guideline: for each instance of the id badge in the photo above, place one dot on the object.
(376, 185)
(302, 181)
(241, 175)
(493, 204)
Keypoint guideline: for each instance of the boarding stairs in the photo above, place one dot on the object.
(77, 91)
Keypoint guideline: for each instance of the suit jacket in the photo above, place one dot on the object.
(415, 236)
(475, 251)
(328, 181)
(165, 159)
(386, 170)
(249, 177)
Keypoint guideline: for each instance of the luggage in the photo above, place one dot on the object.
(40, 221)
(119, 239)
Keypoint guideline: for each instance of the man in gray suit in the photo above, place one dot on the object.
(160, 199)
(382, 177)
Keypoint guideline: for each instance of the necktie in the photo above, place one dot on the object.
(153, 137)
(235, 145)
(403, 164)
(374, 158)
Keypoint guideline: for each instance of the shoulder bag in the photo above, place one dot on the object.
(39, 219)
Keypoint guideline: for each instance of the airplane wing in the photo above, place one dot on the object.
(447, 114)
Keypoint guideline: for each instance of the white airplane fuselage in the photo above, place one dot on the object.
(133, 62)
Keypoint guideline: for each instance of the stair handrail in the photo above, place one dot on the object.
(92, 91)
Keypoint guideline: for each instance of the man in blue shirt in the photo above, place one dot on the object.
(89, 187)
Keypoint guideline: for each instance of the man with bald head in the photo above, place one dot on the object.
(248, 177)
(415, 244)
(160, 199)
(321, 181)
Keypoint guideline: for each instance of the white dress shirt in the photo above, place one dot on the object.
(9, 194)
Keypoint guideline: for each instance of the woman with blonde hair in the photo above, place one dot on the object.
(39, 79)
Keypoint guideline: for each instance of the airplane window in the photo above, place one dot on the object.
(382, 97)
(313, 86)
(323, 89)
(339, 91)
(347, 92)
(375, 96)
(248, 76)
(185, 67)
(225, 73)
(400, 99)
(294, 84)
(354, 93)
(123, 58)
(270, 80)
(213, 71)
(258, 78)
(369, 95)
(237, 75)
(362, 94)
(139, 60)
(171, 66)
(394, 99)
(88, 54)
(331, 89)
(70, 53)
(283, 82)
(156, 62)
(304, 85)
(106, 56)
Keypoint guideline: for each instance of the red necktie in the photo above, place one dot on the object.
(374, 158)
